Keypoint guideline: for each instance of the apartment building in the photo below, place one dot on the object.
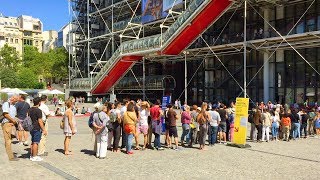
(10, 33)
(49, 40)
(31, 29)
(20, 31)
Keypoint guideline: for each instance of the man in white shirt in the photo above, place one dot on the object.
(45, 113)
(8, 122)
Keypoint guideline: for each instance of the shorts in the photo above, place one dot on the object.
(173, 131)
(142, 129)
(223, 127)
(35, 136)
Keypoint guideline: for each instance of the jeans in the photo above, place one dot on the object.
(157, 140)
(214, 132)
(124, 138)
(129, 142)
(275, 130)
(296, 131)
(304, 128)
(185, 133)
(193, 136)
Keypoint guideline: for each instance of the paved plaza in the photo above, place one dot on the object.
(274, 160)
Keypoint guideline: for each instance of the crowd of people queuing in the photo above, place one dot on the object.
(126, 121)
(285, 122)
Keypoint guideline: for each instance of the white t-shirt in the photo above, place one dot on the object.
(144, 117)
(45, 111)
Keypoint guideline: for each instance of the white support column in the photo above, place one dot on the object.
(185, 77)
(266, 78)
(144, 79)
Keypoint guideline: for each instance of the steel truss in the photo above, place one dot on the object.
(101, 26)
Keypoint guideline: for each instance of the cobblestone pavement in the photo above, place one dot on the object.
(298, 159)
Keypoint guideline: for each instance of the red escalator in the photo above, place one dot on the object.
(212, 12)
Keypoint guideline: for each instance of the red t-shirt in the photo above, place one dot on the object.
(155, 113)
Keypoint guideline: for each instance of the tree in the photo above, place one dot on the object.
(26, 78)
(60, 66)
(9, 57)
(8, 78)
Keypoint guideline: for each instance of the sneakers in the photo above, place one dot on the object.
(130, 152)
(160, 149)
(36, 158)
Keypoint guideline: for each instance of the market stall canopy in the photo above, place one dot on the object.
(12, 91)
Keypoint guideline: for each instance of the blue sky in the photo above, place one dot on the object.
(53, 13)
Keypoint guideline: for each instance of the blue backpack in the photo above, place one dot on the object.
(90, 121)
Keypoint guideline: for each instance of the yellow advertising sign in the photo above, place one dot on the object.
(241, 121)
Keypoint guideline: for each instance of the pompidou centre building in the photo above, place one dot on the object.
(195, 50)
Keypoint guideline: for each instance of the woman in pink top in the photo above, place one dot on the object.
(185, 120)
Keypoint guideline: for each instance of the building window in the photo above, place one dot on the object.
(7, 39)
(11, 23)
(27, 33)
(17, 41)
(11, 40)
(6, 23)
(36, 43)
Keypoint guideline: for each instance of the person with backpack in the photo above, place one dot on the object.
(115, 119)
(22, 110)
(312, 115)
(9, 112)
(102, 120)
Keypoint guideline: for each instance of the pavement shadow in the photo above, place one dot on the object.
(88, 152)
(60, 151)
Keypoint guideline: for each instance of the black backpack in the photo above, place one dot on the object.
(250, 117)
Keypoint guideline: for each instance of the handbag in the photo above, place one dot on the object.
(192, 126)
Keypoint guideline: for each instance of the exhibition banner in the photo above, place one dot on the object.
(241, 121)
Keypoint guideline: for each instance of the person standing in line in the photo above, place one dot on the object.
(295, 120)
(102, 120)
(193, 125)
(45, 114)
(136, 134)
(223, 124)
(258, 122)
(129, 121)
(70, 127)
(116, 122)
(123, 134)
(156, 113)
(110, 131)
(203, 119)
(185, 120)
(8, 122)
(22, 110)
(172, 118)
(317, 123)
(143, 122)
(266, 122)
(38, 129)
(304, 123)
(312, 115)
(275, 124)
(253, 132)
(214, 122)
(286, 126)
(231, 116)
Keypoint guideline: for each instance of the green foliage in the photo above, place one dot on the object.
(34, 65)
(9, 57)
(26, 78)
(8, 78)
